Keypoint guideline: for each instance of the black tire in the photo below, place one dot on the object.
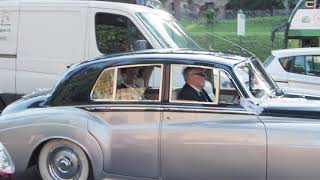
(63, 160)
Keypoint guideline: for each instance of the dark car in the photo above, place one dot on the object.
(138, 116)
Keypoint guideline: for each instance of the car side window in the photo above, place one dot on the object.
(193, 84)
(129, 83)
(104, 86)
(313, 65)
(298, 65)
(116, 33)
(286, 63)
(200, 84)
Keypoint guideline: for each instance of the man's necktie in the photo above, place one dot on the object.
(203, 97)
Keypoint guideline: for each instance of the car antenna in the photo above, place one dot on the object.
(242, 49)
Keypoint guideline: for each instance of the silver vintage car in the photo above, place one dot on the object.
(127, 117)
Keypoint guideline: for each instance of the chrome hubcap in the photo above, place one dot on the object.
(64, 163)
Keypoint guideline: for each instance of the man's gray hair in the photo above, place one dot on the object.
(186, 72)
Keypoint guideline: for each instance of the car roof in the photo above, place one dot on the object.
(219, 57)
(296, 52)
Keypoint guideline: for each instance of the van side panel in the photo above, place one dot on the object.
(9, 20)
(51, 37)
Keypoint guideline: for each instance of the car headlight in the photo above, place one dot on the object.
(6, 164)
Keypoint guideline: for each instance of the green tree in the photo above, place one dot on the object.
(211, 16)
(260, 4)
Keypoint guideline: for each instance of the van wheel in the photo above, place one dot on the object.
(62, 159)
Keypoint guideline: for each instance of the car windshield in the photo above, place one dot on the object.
(166, 30)
(254, 78)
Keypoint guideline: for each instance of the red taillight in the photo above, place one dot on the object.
(6, 164)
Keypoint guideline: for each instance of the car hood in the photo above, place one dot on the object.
(32, 100)
(291, 107)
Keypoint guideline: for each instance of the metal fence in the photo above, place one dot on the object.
(230, 14)
(258, 39)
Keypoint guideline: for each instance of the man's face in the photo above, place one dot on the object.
(197, 77)
(132, 72)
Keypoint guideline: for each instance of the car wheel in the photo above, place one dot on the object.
(62, 159)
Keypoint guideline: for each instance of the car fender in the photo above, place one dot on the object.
(101, 131)
(293, 145)
(25, 132)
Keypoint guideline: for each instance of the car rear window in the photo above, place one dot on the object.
(286, 63)
(129, 83)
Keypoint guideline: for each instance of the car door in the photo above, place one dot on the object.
(210, 140)
(132, 110)
(293, 147)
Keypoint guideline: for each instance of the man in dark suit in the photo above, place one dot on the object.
(193, 89)
(129, 78)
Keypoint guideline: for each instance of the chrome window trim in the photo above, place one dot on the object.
(209, 109)
(236, 85)
(115, 80)
(181, 108)
(218, 89)
(115, 86)
(101, 107)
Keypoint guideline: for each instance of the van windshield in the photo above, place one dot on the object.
(166, 30)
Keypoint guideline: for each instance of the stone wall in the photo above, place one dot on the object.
(195, 8)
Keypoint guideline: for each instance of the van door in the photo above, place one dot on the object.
(112, 31)
(51, 37)
(9, 19)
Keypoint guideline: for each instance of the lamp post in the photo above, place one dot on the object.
(241, 25)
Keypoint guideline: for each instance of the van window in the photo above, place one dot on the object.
(116, 34)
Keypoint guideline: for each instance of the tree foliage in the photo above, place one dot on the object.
(260, 4)
(211, 16)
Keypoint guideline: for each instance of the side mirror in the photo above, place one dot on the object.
(140, 45)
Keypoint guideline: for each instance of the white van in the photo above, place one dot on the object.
(40, 39)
